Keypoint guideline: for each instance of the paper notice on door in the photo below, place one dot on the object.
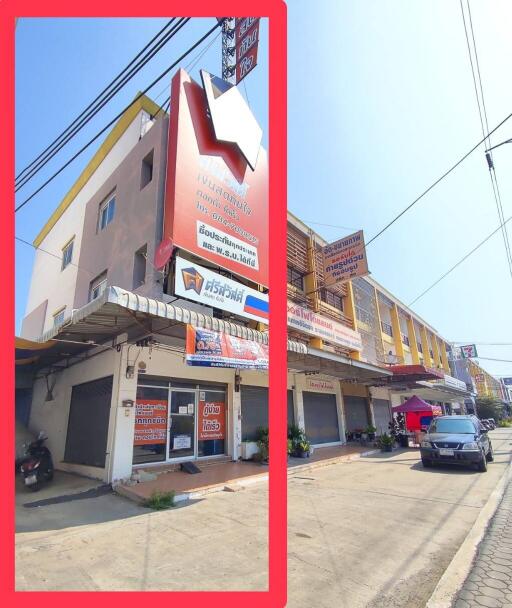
(182, 442)
(202, 396)
(190, 408)
(183, 409)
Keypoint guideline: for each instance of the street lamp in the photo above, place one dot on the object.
(488, 155)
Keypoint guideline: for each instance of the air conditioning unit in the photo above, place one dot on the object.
(248, 449)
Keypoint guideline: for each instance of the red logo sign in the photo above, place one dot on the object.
(211, 420)
(216, 206)
(247, 63)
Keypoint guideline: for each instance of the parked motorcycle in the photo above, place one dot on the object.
(37, 465)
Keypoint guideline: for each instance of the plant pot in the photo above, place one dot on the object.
(387, 448)
(404, 441)
(304, 454)
(371, 436)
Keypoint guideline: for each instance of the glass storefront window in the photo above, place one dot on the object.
(150, 435)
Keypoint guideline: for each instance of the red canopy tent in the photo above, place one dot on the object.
(418, 413)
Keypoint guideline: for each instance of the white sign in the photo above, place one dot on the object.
(454, 382)
(221, 243)
(181, 442)
(182, 409)
(202, 285)
(345, 259)
(320, 385)
(311, 323)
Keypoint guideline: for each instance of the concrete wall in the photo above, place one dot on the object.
(32, 325)
(137, 221)
(52, 416)
(49, 282)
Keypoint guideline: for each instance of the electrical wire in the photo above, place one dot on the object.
(88, 114)
(91, 141)
(432, 186)
(484, 123)
(59, 257)
(460, 261)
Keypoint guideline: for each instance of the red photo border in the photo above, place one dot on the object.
(275, 10)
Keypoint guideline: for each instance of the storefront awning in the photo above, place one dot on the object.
(338, 366)
(118, 311)
(414, 373)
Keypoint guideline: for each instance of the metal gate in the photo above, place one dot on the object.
(320, 417)
(381, 413)
(356, 415)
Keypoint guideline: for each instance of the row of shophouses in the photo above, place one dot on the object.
(102, 345)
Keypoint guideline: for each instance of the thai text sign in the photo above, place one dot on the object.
(202, 285)
(211, 420)
(311, 323)
(468, 351)
(247, 32)
(216, 201)
(345, 259)
(205, 347)
(150, 422)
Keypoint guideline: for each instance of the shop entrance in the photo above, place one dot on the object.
(179, 422)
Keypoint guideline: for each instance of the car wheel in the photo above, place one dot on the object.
(490, 454)
(482, 465)
(426, 463)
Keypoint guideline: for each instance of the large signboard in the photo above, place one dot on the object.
(468, 351)
(208, 348)
(311, 323)
(345, 259)
(211, 422)
(207, 287)
(216, 200)
(507, 381)
(150, 422)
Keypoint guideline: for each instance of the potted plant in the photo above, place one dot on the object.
(386, 442)
(303, 449)
(262, 443)
(370, 431)
(300, 446)
(290, 448)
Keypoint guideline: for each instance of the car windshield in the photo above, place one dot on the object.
(455, 426)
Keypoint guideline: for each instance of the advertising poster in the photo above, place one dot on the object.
(216, 200)
(207, 287)
(211, 420)
(345, 259)
(150, 422)
(318, 326)
(210, 348)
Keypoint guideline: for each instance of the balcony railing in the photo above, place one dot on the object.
(405, 340)
(386, 328)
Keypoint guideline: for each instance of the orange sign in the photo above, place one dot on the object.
(211, 420)
(216, 204)
(150, 422)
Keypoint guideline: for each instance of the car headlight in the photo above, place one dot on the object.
(426, 444)
(472, 445)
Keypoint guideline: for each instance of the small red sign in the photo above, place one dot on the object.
(247, 64)
(163, 253)
(211, 420)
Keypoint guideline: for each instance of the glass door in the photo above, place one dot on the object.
(182, 415)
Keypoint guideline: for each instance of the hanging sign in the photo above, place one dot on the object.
(208, 348)
(468, 351)
(345, 259)
(247, 33)
(205, 286)
(150, 422)
(211, 423)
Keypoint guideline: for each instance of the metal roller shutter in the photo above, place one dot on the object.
(356, 416)
(320, 417)
(381, 415)
(89, 411)
(254, 411)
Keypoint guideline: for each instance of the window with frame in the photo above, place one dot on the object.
(295, 278)
(58, 317)
(333, 299)
(67, 254)
(106, 212)
(139, 267)
(98, 286)
(146, 172)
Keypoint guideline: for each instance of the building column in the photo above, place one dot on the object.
(122, 422)
(236, 426)
(413, 344)
(444, 357)
(397, 334)
(435, 348)
(298, 403)
(340, 407)
(427, 360)
(349, 311)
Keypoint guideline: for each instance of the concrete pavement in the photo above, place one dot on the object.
(375, 532)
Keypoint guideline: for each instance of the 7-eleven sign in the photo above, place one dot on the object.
(468, 351)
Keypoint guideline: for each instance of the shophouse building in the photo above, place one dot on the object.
(104, 362)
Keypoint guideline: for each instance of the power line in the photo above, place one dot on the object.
(482, 343)
(93, 108)
(59, 257)
(484, 123)
(460, 261)
(502, 360)
(91, 141)
(432, 186)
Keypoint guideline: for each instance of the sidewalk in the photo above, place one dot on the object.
(489, 583)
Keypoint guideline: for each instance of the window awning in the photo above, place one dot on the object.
(118, 311)
(338, 366)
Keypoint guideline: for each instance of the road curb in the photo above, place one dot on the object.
(460, 566)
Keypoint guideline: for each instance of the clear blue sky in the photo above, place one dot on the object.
(381, 103)
(61, 66)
